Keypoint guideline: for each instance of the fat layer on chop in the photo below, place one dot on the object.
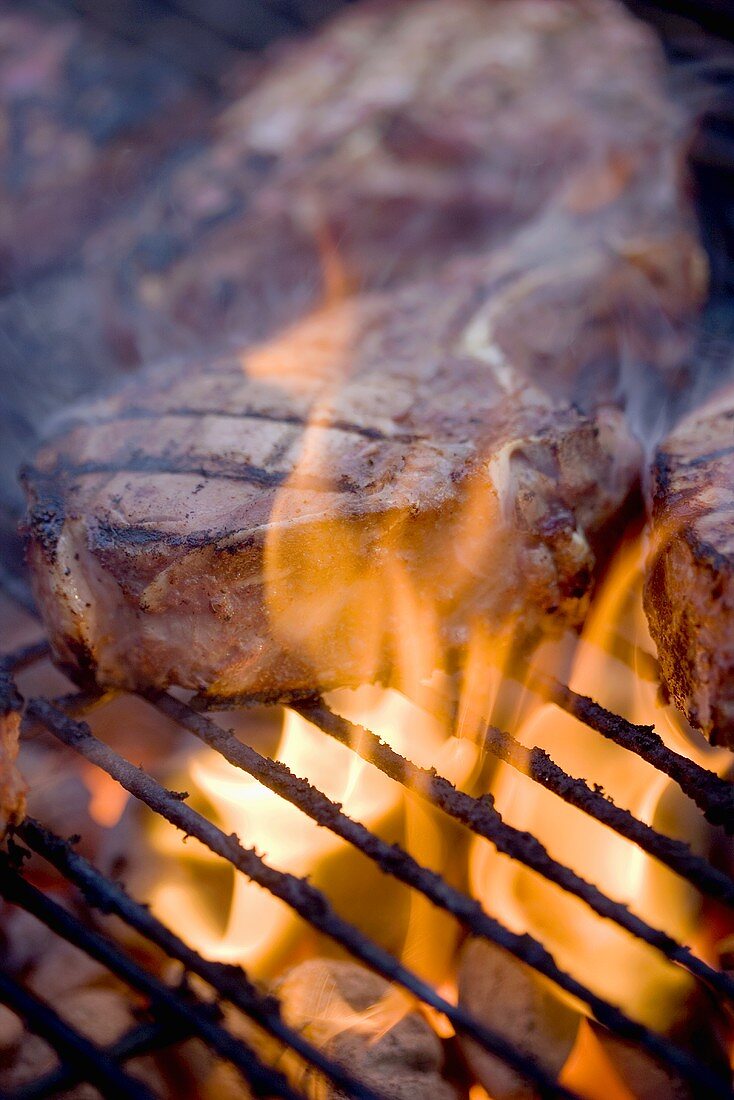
(292, 516)
(689, 587)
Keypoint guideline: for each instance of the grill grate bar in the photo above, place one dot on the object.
(230, 982)
(539, 766)
(10, 698)
(191, 1012)
(480, 815)
(391, 858)
(675, 854)
(24, 656)
(713, 796)
(303, 898)
(94, 1063)
(314, 907)
(139, 1040)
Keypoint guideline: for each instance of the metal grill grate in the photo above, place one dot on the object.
(177, 1014)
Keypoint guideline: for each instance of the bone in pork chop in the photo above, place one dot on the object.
(689, 589)
(262, 523)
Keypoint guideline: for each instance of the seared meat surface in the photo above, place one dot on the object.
(86, 119)
(262, 523)
(689, 590)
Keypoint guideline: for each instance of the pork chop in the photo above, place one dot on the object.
(689, 588)
(396, 138)
(292, 516)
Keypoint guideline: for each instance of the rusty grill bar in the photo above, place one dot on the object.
(712, 795)
(176, 1015)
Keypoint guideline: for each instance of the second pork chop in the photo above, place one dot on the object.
(398, 137)
(689, 590)
(283, 518)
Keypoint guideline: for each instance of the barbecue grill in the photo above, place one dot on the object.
(191, 1006)
(176, 1014)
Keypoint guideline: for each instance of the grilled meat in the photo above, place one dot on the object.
(689, 589)
(263, 522)
(252, 522)
(85, 119)
(398, 137)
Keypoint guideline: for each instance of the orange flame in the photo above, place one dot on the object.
(241, 922)
(107, 798)
(348, 601)
(612, 663)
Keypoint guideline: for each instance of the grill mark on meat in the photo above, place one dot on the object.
(113, 536)
(46, 512)
(222, 541)
(290, 419)
(214, 469)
